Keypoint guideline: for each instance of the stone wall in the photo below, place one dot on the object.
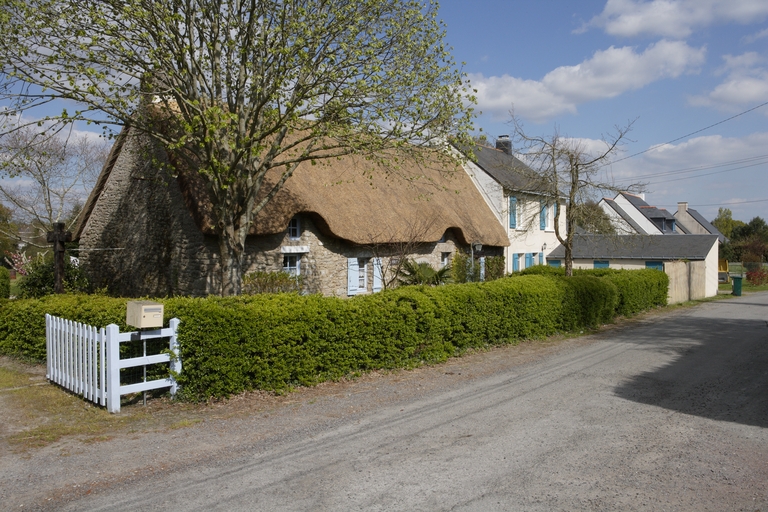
(141, 240)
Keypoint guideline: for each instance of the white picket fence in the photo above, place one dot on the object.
(86, 360)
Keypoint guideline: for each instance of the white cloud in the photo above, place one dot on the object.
(674, 18)
(607, 74)
(723, 170)
(754, 37)
(745, 84)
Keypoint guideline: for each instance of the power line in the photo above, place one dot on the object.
(722, 204)
(707, 174)
(699, 168)
(692, 133)
(756, 160)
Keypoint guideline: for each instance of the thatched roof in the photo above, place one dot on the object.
(365, 202)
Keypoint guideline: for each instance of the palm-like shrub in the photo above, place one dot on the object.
(413, 273)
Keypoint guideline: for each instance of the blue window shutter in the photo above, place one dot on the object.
(512, 212)
(482, 268)
(602, 264)
(541, 258)
(352, 278)
(554, 211)
(543, 216)
(515, 262)
(554, 263)
(378, 275)
(528, 259)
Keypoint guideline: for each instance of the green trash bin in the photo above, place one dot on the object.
(736, 285)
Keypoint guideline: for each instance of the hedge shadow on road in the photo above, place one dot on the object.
(719, 371)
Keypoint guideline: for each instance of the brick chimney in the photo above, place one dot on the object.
(503, 143)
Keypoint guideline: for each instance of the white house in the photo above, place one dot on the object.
(631, 215)
(527, 215)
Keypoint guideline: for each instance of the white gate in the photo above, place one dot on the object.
(86, 360)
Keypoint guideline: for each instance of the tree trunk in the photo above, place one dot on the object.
(569, 259)
(231, 255)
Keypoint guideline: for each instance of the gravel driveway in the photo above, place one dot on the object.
(666, 413)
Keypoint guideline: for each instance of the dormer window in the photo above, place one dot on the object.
(294, 228)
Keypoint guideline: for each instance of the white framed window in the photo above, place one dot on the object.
(292, 264)
(512, 212)
(445, 259)
(294, 228)
(362, 275)
(357, 275)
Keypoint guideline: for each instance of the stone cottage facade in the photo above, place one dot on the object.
(147, 229)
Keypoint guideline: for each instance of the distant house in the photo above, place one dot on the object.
(694, 223)
(340, 224)
(631, 215)
(527, 215)
(667, 253)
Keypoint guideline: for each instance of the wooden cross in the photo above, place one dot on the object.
(57, 237)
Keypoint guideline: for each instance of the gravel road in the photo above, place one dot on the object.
(666, 413)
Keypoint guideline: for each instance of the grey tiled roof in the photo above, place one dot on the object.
(642, 247)
(649, 211)
(656, 213)
(636, 201)
(506, 169)
(707, 225)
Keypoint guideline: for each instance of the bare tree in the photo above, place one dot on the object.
(396, 248)
(45, 180)
(563, 167)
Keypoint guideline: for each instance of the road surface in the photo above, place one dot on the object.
(670, 413)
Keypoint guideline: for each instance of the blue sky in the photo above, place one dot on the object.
(673, 66)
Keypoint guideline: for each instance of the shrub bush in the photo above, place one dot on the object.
(40, 279)
(541, 270)
(5, 283)
(22, 321)
(638, 290)
(272, 282)
(494, 267)
(757, 277)
(276, 341)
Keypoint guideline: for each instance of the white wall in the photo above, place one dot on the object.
(711, 270)
(528, 236)
(617, 221)
(636, 216)
(618, 264)
(490, 189)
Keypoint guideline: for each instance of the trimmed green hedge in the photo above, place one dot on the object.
(638, 290)
(5, 283)
(273, 342)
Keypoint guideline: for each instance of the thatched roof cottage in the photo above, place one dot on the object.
(340, 224)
